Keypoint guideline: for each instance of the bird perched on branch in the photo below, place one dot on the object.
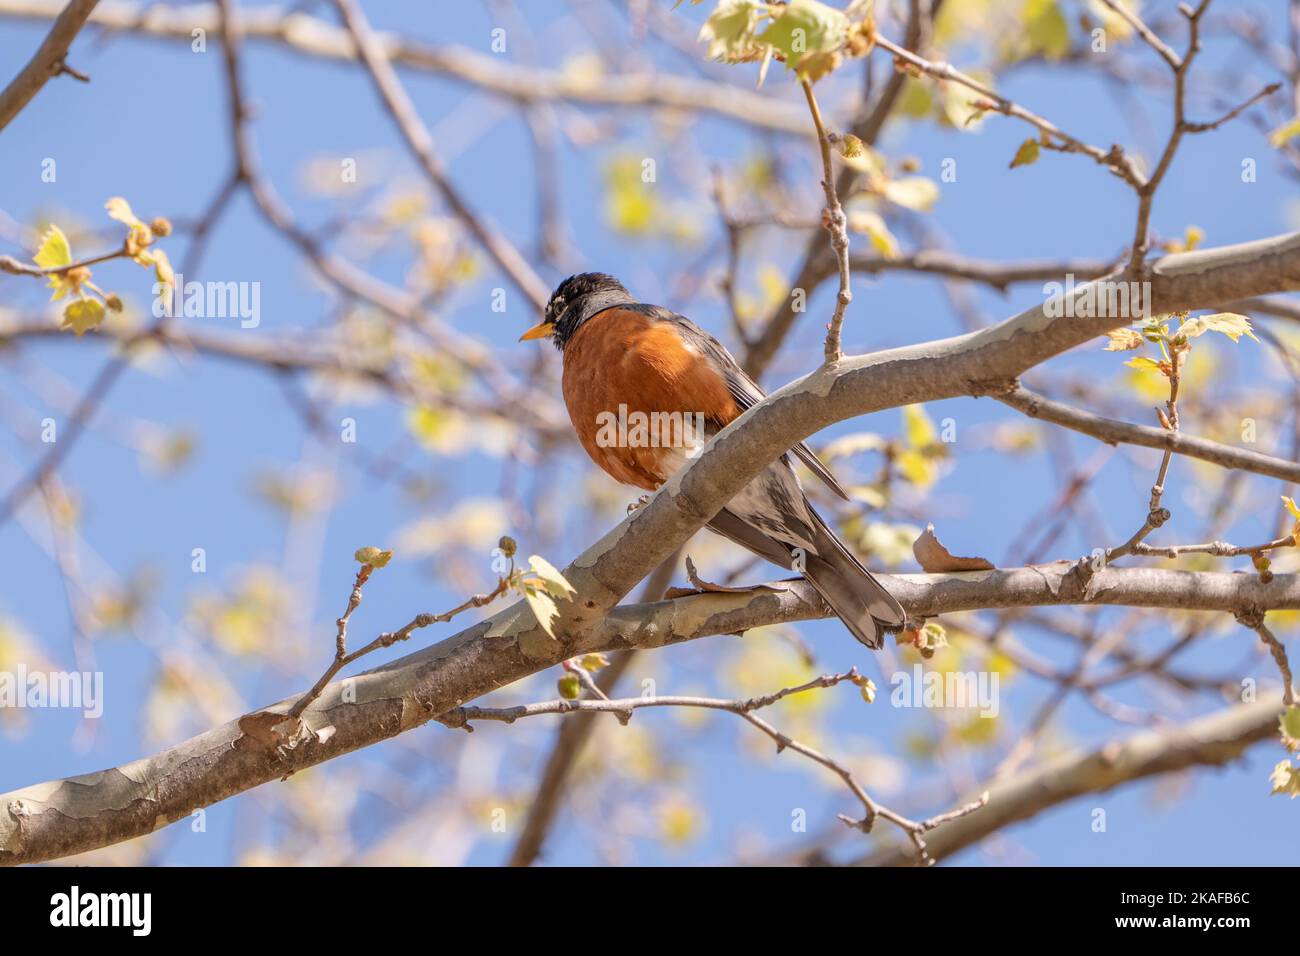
(646, 388)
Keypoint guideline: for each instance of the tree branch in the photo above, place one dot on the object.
(1214, 740)
(47, 62)
(417, 138)
(311, 36)
(1113, 432)
(62, 817)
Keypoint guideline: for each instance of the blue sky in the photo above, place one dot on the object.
(151, 127)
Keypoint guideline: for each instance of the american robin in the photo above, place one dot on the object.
(646, 388)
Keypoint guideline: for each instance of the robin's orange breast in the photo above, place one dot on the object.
(637, 393)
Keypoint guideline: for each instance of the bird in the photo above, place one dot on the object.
(628, 363)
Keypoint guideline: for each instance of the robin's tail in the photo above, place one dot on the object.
(861, 601)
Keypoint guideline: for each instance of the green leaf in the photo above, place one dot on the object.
(551, 578)
(1026, 154)
(1290, 723)
(1142, 362)
(1231, 324)
(1046, 28)
(82, 315)
(729, 30)
(1292, 507)
(806, 31)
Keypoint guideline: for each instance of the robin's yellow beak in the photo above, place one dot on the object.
(541, 331)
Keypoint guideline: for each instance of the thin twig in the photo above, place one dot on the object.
(1053, 137)
(1255, 621)
(463, 717)
(835, 222)
(387, 639)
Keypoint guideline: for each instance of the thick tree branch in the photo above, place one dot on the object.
(1214, 740)
(62, 817)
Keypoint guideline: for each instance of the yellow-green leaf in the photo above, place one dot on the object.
(729, 30)
(82, 315)
(918, 429)
(1046, 28)
(806, 30)
(1026, 154)
(55, 252)
(1289, 724)
(1142, 362)
(374, 557)
(917, 468)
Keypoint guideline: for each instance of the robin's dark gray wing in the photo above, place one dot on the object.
(743, 389)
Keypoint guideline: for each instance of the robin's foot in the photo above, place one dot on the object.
(638, 504)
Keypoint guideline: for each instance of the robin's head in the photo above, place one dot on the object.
(574, 301)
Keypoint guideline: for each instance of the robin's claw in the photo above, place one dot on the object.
(638, 504)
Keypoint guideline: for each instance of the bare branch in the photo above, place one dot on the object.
(48, 60)
(55, 819)
(1214, 740)
(1254, 619)
(1113, 432)
(417, 138)
(836, 224)
(314, 37)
